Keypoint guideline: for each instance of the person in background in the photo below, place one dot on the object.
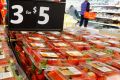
(85, 7)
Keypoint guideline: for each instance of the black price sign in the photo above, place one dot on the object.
(36, 15)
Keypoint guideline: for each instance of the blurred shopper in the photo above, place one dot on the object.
(85, 7)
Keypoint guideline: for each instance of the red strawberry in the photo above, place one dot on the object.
(40, 74)
(34, 77)
(18, 48)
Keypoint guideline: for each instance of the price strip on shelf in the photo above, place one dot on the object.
(36, 15)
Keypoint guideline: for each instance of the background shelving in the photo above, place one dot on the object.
(106, 10)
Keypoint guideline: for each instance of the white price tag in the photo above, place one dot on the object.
(104, 69)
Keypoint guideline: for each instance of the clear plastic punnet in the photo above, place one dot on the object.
(104, 71)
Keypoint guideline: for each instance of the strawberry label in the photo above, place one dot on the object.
(57, 33)
(2, 56)
(35, 38)
(5, 72)
(114, 48)
(79, 43)
(38, 44)
(67, 71)
(51, 37)
(74, 53)
(0, 44)
(66, 37)
(100, 53)
(100, 66)
(40, 32)
(49, 54)
(60, 44)
(113, 42)
(24, 32)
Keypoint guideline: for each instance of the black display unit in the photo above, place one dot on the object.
(35, 15)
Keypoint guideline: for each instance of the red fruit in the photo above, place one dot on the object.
(20, 43)
(40, 75)
(29, 62)
(22, 55)
(116, 54)
(28, 70)
(73, 62)
(23, 62)
(19, 36)
(33, 77)
(18, 48)
(55, 75)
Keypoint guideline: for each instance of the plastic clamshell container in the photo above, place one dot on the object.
(99, 37)
(53, 58)
(51, 38)
(67, 37)
(73, 34)
(59, 45)
(49, 54)
(98, 55)
(64, 73)
(114, 63)
(35, 45)
(104, 71)
(35, 39)
(54, 33)
(99, 44)
(80, 45)
(114, 43)
(88, 37)
(116, 51)
(72, 53)
(3, 58)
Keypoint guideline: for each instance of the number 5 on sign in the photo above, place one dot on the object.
(18, 14)
(43, 14)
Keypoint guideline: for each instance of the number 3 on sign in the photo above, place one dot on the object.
(18, 14)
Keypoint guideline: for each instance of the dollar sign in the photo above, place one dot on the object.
(34, 9)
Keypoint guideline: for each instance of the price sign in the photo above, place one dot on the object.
(36, 15)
